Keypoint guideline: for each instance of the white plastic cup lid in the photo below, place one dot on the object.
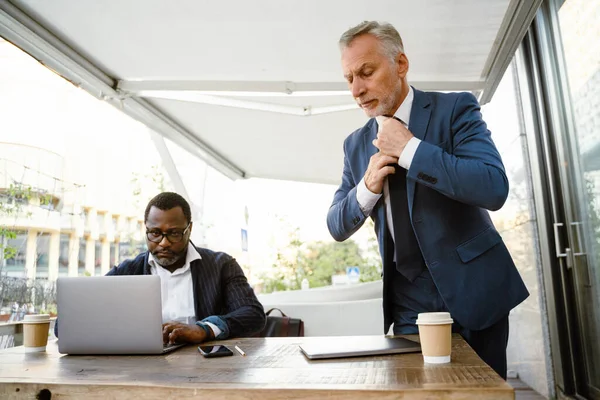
(36, 318)
(434, 318)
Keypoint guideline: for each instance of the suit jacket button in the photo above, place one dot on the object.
(434, 180)
(420, 175)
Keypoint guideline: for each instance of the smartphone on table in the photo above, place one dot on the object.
(215, 351)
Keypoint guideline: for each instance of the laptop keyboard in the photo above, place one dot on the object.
(170, 346)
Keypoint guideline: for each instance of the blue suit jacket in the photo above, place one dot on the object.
(456, 175)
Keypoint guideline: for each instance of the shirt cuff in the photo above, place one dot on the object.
(215, 329)
(218, 326)
(408, 153)
(366, 199)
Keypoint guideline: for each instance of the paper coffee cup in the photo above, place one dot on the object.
(435, 333)
(35, 332)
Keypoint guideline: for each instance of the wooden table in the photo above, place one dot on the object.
(274, 368)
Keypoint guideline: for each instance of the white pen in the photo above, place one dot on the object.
(240, 351)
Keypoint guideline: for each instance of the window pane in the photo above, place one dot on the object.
(42, 250)
(81, 258)
(15, 266)
(63, 259)
(98, 258)
(516, 223)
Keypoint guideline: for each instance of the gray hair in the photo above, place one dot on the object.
(390, 39)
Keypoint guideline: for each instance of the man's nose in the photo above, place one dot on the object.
(357, 88)
(164, 242)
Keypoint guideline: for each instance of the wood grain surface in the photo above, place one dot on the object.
(274, 368)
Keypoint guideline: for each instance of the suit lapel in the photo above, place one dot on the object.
(371, 135)
(200, 273)
(419, 120)
(146, 270)
(370, 150)
(419, 114)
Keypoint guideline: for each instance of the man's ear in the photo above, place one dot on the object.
(402, 64)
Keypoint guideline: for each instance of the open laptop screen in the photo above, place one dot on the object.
(109, 315)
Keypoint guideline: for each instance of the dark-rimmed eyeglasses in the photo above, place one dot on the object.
(173, 235)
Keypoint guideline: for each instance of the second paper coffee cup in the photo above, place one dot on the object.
(435, 334)
(35, 332)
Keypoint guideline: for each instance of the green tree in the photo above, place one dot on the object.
(283, 271)
(372, 267)
(322, 260)
(318, 261)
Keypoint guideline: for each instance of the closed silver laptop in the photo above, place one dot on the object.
(110, 315)
(355, 346)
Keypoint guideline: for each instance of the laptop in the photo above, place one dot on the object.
(110, 315)
(336, 347)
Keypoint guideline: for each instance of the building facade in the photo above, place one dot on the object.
(55, 232)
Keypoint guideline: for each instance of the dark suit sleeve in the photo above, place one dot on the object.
(245, 315)
(473, 174)
(345, 216)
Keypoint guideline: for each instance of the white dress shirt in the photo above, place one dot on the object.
(177, 290)
(367, 199)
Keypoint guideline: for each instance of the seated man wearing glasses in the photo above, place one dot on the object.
(207, 287)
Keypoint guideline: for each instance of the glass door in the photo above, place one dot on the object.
(578, 24)
(568, 40)
(561, 73)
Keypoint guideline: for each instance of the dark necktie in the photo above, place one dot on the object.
(409, 261)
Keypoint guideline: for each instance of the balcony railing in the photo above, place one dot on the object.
(31, 216)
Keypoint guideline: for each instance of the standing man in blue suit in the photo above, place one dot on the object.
(425, 169)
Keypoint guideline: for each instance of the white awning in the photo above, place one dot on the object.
(255, 88)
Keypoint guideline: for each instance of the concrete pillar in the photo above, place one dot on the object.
(105, 254)
(73, 254)
(92, 222)
(31, 254)
(90, 256)
(53, 256)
